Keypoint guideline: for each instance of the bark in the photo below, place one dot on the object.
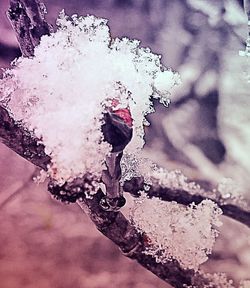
(13, 135)
(28, 21)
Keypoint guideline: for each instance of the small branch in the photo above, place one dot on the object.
(20, 141)
(133, 244)
(21, 25)
(135, 185)
(28, 21)
(112, 224)
(15, 193)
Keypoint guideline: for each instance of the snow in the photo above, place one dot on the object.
(61, 93)
(219, 280)
(137, 166)
(228, 189)
(186, 234)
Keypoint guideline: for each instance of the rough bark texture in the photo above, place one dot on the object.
(28, 21)
(29, 24)
(20, 140)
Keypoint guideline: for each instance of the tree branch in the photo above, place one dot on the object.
(29, 24)
(28, 21)
(112, 224)
(135, 185)
(133, 245)
(19, 140)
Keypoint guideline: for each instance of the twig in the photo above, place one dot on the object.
(112, 224)
(133, 245)
(28, 21)
(20, 141)
(15, 193)
(135, 185)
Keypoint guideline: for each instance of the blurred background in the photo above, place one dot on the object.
(205, 132)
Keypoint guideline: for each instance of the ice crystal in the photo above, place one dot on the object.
(174, 231)
(230, 192)
(61, 92)
(137, 166)
(174, 180)
(219, 280)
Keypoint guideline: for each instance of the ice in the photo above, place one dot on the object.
(135, 165)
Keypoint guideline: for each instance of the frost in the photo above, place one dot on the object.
(219, 280)
(186, 234)
(61, 93)
(174, 180)
(229, 190)
(135, 165)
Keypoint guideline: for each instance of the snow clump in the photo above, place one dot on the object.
(61, 93)
(174, 231)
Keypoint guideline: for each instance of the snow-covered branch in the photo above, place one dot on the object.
(185, 197)
(79, 170)
(18, 139)
(112, 224)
